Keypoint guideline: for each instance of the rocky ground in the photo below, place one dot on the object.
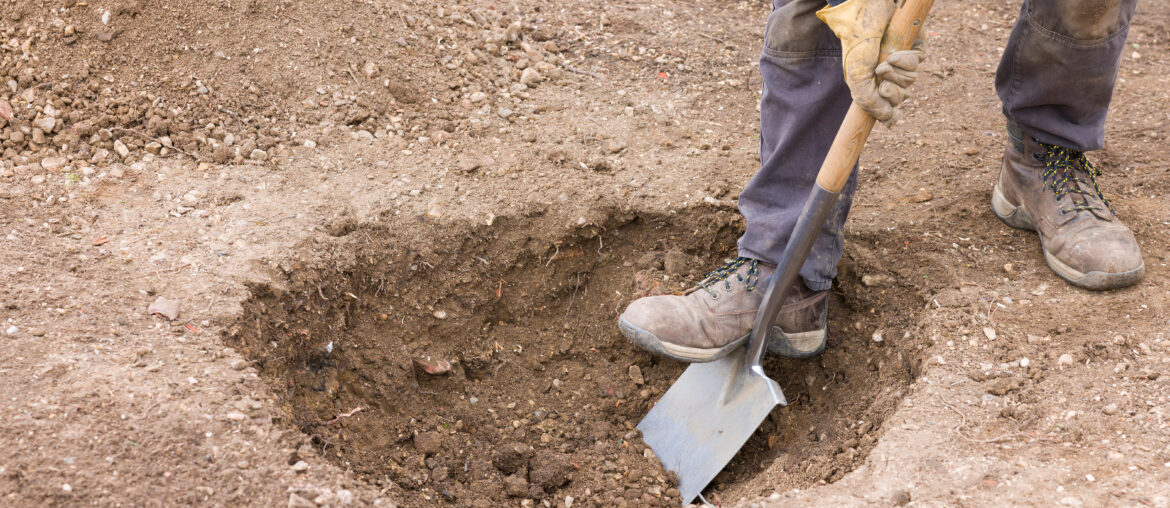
(372, 253)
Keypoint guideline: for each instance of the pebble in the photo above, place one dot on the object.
(310, 143)
(12, 330)
(237, 416)
(301, 466)
(636, 375)
(66, 487)
(1110, 409)
(46, 123)
(165, 307)
(345, 497)
(1024, 362)
(239, 364)
(38, 179)
(530, 77)
(121, 149)
(504, 113)
(922, 196)
(440, 314)
(870, 280)
(877, 336)
(971, 150)
(478, 96)
(295, 501)
(989, 332)
(53, 163)
(258, 155)
(1065, 359)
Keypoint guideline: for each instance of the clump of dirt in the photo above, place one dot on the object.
(444, 373)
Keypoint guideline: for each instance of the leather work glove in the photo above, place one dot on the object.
(861, 25)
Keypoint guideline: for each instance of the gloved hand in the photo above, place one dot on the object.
(861, 25)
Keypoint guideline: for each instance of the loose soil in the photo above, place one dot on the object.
(401, 233)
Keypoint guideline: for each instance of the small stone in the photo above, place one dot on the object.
(478, 96)
(530, 77)
(1024, 362)
(1110, 409)
(440, 314)
(870, 280)
(971, 150)
(433, 367)
(116, 172)
(1065, 359)
(568, 501)
(615, 146)
(309, 143)
(258, 155)
(345, 497)
(370, 69)
(66, 487)
(45, 123)
(165, 307)
(504, 113)
(53, 163)
(635, 373)
(989, 332)
(922, 196)
(877, 336)
(300, 467)
(239, 364)
(121, 149)
(12, 330)
(1008, 267)
(295, 501)
(237, 416)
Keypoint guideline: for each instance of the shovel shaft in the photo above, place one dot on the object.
(808, 226)
(847, 145)
(850, 139)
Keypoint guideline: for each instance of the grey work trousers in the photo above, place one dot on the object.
(1055, 79)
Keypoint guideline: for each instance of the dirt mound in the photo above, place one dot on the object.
(235, 82)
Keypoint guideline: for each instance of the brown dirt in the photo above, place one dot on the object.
(428, 212)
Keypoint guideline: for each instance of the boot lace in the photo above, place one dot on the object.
(1069, 172)
(723, 274)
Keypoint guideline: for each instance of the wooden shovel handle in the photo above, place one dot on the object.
(903, 31)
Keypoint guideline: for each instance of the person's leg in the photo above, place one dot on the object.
(805, 99)
(1056, 79)
(1058, 70)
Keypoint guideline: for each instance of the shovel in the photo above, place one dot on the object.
(713, 408)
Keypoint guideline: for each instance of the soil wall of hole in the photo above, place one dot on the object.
(476, 365)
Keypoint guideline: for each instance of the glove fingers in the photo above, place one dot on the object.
(893, 93)
(875, 105)
(897, 76)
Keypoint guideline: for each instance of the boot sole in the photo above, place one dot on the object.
(648, 341)
(1018, 217)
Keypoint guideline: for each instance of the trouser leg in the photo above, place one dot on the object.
(1058, 70)
(805, 99)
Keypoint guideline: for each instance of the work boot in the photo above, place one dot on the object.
(716, 316)
(1053, 190)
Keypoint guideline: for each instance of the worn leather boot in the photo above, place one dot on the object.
(716, 316)
(1053, 190)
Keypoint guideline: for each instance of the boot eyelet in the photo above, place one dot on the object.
(714, 296)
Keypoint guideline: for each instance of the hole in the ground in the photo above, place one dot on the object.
(476, 366)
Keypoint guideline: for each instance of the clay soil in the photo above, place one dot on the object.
(400, 233)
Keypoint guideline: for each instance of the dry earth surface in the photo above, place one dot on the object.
(263, 252)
